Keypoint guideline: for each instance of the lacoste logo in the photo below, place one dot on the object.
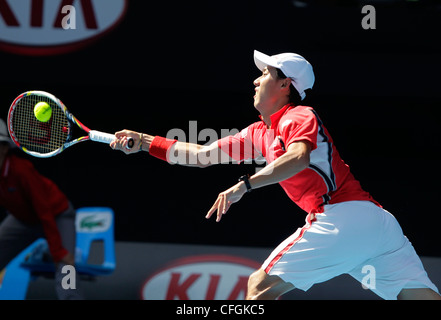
(90, 223)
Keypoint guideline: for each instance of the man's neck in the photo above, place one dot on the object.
(267, 116)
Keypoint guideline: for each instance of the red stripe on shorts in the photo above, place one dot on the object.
(309, 219)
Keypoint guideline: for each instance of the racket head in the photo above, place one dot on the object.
(39, 139)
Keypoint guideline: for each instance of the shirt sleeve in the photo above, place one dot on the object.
(300, 126)
(241, 146)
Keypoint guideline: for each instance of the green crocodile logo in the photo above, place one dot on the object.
(90, 222)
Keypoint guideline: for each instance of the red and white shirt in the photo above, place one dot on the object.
(327, 180)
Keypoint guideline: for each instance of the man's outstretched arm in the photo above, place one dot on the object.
(172, 151)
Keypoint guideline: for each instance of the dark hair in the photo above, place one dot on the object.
(294, 96)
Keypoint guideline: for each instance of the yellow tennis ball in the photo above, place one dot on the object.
(43, 111)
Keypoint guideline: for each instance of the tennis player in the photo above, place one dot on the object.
(346, 229)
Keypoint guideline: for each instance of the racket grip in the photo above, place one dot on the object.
(130, 143)
(106, 138)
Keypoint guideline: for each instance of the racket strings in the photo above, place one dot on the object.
(37, 136)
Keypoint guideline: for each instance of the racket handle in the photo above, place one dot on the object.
(107, 138)
(130, 143)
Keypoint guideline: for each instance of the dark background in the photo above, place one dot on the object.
(168, 63)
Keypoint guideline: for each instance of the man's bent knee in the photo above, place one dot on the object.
(262, 286)
(418, 294)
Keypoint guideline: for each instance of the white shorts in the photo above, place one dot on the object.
(352, 237)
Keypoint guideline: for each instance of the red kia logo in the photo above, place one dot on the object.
(208, 277)
(39, 27)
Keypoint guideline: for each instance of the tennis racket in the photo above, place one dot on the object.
(47, 139)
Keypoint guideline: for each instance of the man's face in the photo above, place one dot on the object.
(268, 90)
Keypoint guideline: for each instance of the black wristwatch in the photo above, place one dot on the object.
(245, 178)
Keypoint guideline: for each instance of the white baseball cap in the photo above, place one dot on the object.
(293, 66)
(4, 135)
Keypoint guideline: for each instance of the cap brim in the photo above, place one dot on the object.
(262, 60)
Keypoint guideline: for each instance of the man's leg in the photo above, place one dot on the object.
(14, 237)
(262, 286)
(66, 225)
(418, 294)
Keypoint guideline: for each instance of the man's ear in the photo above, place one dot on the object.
(286, 82)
